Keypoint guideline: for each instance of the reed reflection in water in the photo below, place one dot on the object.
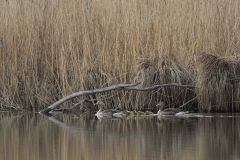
(64, 137)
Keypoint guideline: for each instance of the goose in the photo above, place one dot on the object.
(141, 113)
(128, 113)
(135, 113)
(148, 113)
(107, 113)
(169, 111)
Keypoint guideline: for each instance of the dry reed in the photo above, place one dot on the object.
(50, 49)
(216, 82)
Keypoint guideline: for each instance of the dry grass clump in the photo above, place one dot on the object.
(163, 69)
(215, 81)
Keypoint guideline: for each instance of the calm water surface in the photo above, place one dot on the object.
(80, 137)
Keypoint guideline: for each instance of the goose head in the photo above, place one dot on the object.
(98, 103)
(161, 106)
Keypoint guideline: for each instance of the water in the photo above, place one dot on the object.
(69, 137)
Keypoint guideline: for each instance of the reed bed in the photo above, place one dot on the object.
(216, 84)
(50, 49)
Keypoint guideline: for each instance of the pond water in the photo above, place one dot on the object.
(72, 137)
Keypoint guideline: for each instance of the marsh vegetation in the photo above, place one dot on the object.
(50, 49)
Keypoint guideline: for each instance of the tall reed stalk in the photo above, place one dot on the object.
(51, 48)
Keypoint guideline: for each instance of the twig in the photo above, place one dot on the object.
(82, 101)
(187, 102)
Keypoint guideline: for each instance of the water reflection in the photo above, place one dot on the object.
(68, 136)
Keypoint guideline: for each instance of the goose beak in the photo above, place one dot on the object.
(96, 104)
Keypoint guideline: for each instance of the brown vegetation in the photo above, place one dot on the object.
(50, 49)
(217, 82)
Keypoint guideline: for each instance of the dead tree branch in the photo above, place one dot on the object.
(159, 86)
(115, 87)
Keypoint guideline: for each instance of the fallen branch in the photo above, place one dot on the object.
(115, 87)
(54, 105)
(159, 86)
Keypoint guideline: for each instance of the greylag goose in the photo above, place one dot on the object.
(148, 113)
(141, 113)
(107, 113)
(135, 113)
(169, 111)
(128, 113)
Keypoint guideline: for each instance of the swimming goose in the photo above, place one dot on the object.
(107, 113)
(169, 111)
(141, 113)
(148, 113)
(135, 113)
(128, 113)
